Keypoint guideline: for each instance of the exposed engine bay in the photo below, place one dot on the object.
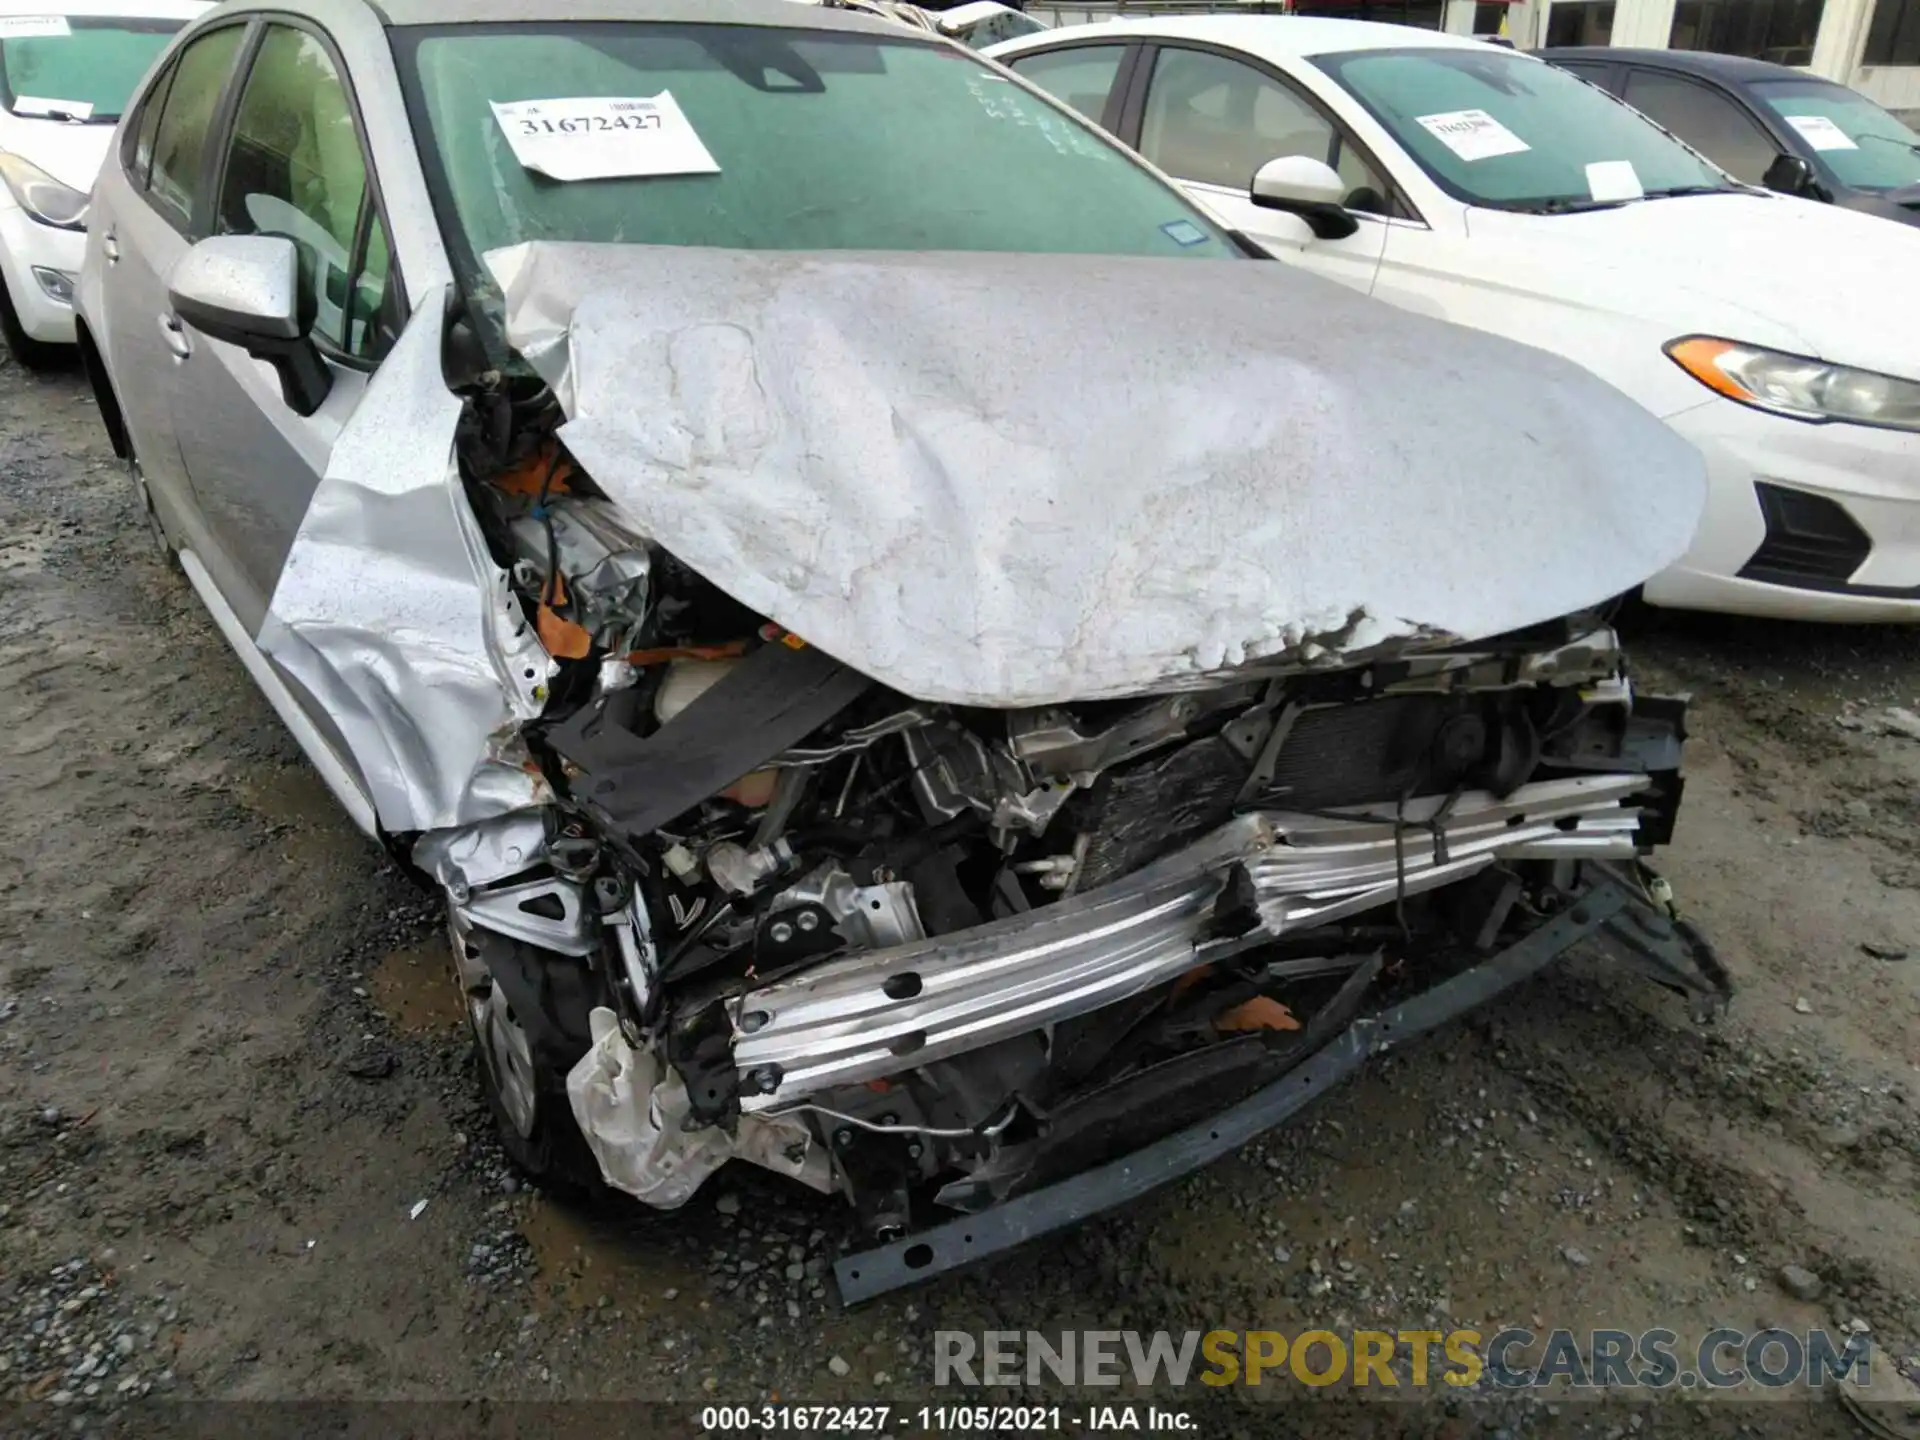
(934, 956)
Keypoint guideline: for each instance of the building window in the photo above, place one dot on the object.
(1425, 14)
(1894, 37)
(1778, 30)
(1589, 22)
(1488, 18)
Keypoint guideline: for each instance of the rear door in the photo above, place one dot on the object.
(1210, 120)
(290, 162)
(146, 198)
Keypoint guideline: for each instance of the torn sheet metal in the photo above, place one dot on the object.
(631, 1106)
(1017, 480)
(393, 618)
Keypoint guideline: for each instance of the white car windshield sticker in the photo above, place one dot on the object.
(1820, 132)
(32, 27)
(1184, 232)
(1472, 134)
(34, 105)
(604, 137)
(1614, 180)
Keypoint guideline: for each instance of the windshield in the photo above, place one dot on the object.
(1854, 140)
(765, 139)
(1502, 130)
(76, 67)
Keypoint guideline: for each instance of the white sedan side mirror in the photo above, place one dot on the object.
(1309, 188)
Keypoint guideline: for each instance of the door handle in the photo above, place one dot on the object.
(110, 247)
(175, 334)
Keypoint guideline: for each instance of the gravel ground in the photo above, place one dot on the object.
(232, 1069)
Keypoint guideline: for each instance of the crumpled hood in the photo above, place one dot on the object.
(1767, 269)
(1015, 480)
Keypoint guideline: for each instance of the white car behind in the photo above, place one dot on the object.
(1466, 181)
(66, 68)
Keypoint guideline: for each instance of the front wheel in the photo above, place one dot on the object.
(527, 1009)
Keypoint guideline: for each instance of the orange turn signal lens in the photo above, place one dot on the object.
(1699, 356)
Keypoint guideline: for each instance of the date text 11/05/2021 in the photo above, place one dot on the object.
(945, 1419)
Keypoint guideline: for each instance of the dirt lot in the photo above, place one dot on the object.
(231, 1071)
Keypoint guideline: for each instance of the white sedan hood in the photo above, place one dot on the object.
(1017, 480)
(1766, 269)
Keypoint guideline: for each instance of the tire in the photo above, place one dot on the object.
(527, 1009)
(35, 355)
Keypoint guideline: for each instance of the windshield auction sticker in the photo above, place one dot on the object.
(32, 27)
(1820, 132)
(604, 137)
(1614, 180)
(1472, 134)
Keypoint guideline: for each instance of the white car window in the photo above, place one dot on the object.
(1504, 130)
(1216, 121)
(85, 72)
(1080, 76)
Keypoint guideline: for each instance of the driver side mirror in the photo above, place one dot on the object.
(1309, 188)
(1791, 175)
(245, 290)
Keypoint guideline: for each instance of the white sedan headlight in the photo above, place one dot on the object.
(42, 196)
(1796, 386)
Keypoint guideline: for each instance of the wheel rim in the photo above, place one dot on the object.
(505, 1050)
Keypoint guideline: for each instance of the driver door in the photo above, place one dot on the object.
(1211, 121)
(292, 164)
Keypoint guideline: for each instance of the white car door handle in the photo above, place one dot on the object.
(175, 334)
(110, 247)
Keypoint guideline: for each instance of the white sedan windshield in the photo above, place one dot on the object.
(1502, 130)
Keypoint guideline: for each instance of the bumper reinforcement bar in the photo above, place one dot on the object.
(1606, 904)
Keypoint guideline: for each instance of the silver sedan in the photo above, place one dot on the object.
(915, 660)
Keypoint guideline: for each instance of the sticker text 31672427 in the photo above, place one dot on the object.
(575, 137)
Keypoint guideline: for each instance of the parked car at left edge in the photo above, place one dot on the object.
(65, 73)
(1766, 124)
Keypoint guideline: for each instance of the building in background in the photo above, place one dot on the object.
(1872, 45)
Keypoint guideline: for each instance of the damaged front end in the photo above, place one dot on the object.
(938, 957)
(987, 960)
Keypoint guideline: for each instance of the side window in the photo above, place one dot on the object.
(1710, 123)
(1594, 72)
(137, 148)
(1081, 76)
(294, 168)
(180, 134)
(1217, 121)
(373, 314)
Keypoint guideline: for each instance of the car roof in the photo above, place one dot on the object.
(771, 13)
(1734, 69)
(1272, 37)
(125, 9)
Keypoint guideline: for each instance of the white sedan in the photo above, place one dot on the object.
(1464, 180)
(66, 68)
